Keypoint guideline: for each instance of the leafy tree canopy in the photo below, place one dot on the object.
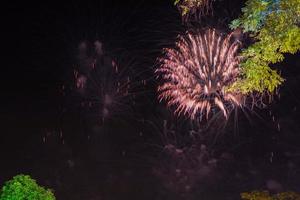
(187, 5)
(22, 187)
(265, 195)
(274, 24)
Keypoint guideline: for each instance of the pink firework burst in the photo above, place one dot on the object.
(105, 87)
(197, 71)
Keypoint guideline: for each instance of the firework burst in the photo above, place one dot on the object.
(184, 163)
(103, 84)
(197, 71)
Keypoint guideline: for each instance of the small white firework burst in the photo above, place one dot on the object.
(197, 71)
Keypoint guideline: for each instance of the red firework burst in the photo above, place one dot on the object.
(197, 71)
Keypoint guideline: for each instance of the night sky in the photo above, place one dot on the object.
(46, 134)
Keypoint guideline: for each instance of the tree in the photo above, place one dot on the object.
(22, 187)
(265, 195)
(193, 9)
(274, 26)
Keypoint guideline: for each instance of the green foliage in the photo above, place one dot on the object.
(22, 187)
(252, 15)
(176, 2)
(274, 24)
(187, 5)
(265, 195)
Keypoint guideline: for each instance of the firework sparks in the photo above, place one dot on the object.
(104, 86)
(184, 162)
(197, 71)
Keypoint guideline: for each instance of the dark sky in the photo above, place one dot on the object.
(41, 38)
(40, 41)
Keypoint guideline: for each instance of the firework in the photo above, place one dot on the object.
(102, 83)
(196, 73)
(184, 163)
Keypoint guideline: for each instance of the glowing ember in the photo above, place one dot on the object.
(197, 71)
